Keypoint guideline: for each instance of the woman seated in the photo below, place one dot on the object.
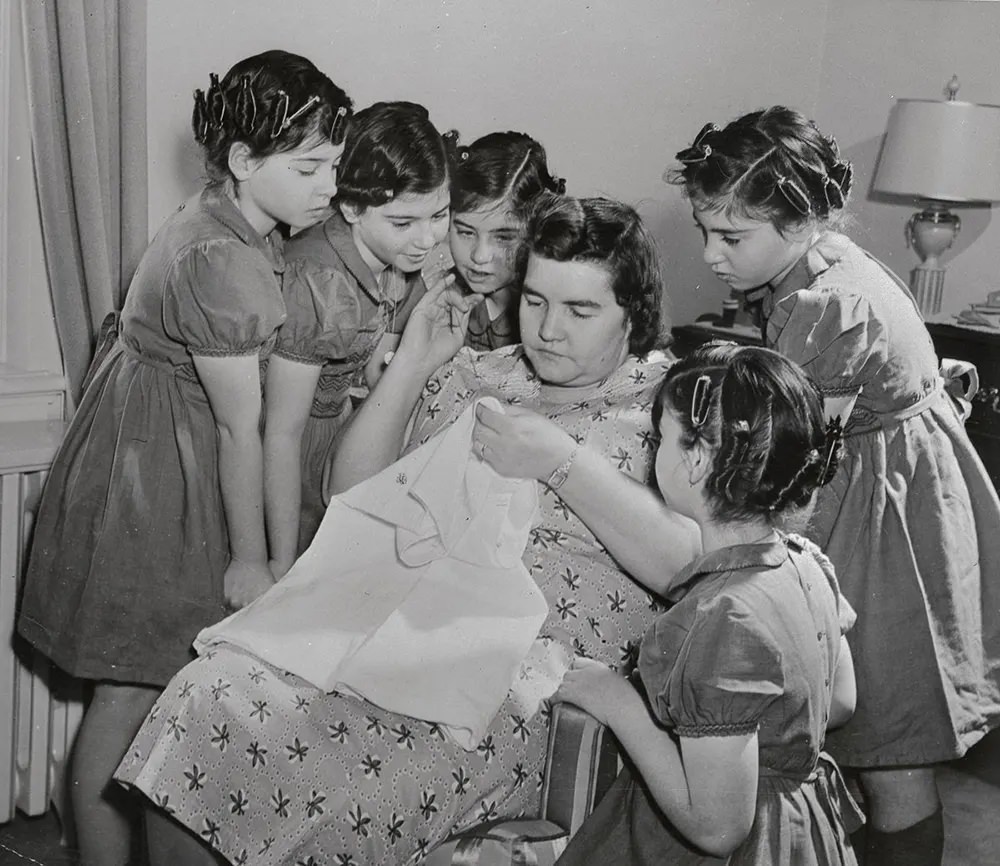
(265, 768)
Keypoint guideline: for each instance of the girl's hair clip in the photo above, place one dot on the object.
(834, 436)
(699, 151)
(794, 195)
(199, 119)
(701, 400)
(741, 427)
(281, 109)
(246, 106)
(216, 100)
(463, 154)
(338, 130)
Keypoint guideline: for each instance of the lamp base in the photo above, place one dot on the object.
(927, 285)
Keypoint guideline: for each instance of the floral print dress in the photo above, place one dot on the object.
(269, 770)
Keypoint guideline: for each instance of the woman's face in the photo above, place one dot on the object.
(484, 247)
(401, 232)
(573, 330)
(747, 253)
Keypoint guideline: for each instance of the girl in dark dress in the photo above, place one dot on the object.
(745, 672)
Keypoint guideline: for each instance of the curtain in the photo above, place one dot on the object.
(87, 96)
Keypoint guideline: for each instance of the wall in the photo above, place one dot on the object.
(880, 50)
(611, 88)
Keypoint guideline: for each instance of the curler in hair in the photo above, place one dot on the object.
(699, 151)
(794, 195)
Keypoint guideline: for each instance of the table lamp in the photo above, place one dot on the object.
(939, 151)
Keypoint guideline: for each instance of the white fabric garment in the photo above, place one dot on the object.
(412, 594)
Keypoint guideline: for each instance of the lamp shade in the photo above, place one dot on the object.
(941, 150)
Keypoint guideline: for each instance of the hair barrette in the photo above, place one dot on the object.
(246, 106)
(216, 100)
(338, 129)
(699, 151)
(701, 400)
(199, 118)
(794, 195)
(834, 435)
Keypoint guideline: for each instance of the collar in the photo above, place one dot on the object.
(338, 234)
(218, 205)
(770, 554)
(826, 251)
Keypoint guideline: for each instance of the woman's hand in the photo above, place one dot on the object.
(520, 443)
(244, 581)
(436, 328)
(600, 691)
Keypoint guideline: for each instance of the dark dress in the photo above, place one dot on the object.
(337, 313)
(131, 545)
(911, 521)
(751, 645)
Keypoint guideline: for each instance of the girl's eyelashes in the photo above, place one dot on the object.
(730, 241)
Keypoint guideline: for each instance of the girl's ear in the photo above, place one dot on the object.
(241, 162)
(699, 462)
(351, 212)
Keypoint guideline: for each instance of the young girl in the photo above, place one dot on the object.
(349, 287)
(494, 182)
(910, 522)
(152, 519)
(749, 667)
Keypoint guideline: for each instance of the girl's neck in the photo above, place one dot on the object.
(716, 536)
(798, 249)
(375, 264)
(261, 222)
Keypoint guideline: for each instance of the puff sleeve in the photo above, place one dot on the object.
(222, 298)
(324, 313)
(715, 678)
(833, 335)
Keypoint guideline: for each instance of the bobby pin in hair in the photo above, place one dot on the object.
(338, 130)
(246, 106)
(834, 436)
(699, 151)
(701, 400)
(200, 120)
(794, 195)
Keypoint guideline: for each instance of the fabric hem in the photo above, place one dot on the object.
(734, 729)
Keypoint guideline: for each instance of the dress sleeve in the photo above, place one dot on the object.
(833, 335)
(222, 298)
(719, 678)
(324, 313)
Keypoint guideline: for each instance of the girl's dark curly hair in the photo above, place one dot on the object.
(773, 165)
(763, 420)
(392, 149)
(609, 234)
(272, 102)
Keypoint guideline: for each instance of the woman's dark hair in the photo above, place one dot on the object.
(772, 165)
(507, 168)
(272, 102)
(611, 235)
(392, 149)
(763, 420)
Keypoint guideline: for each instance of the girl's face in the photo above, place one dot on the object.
(673, 470)
(573, 330)
(294, 187)
(401, 232)
(484, 246)
(747, 253)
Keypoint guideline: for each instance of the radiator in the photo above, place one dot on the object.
(40, 709)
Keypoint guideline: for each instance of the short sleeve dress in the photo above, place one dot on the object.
(337, 313)
(751, 645)
(270, 770)
(911, 521)
(130, 545)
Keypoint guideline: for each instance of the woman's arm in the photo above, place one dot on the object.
(374, 437)
(630, 519)
(233, 388)
(291, 387)
(706, 786)
(845, 693)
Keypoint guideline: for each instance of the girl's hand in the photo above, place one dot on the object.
(244, 581)
(520, 443)
(436, 327)
(600, 691)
